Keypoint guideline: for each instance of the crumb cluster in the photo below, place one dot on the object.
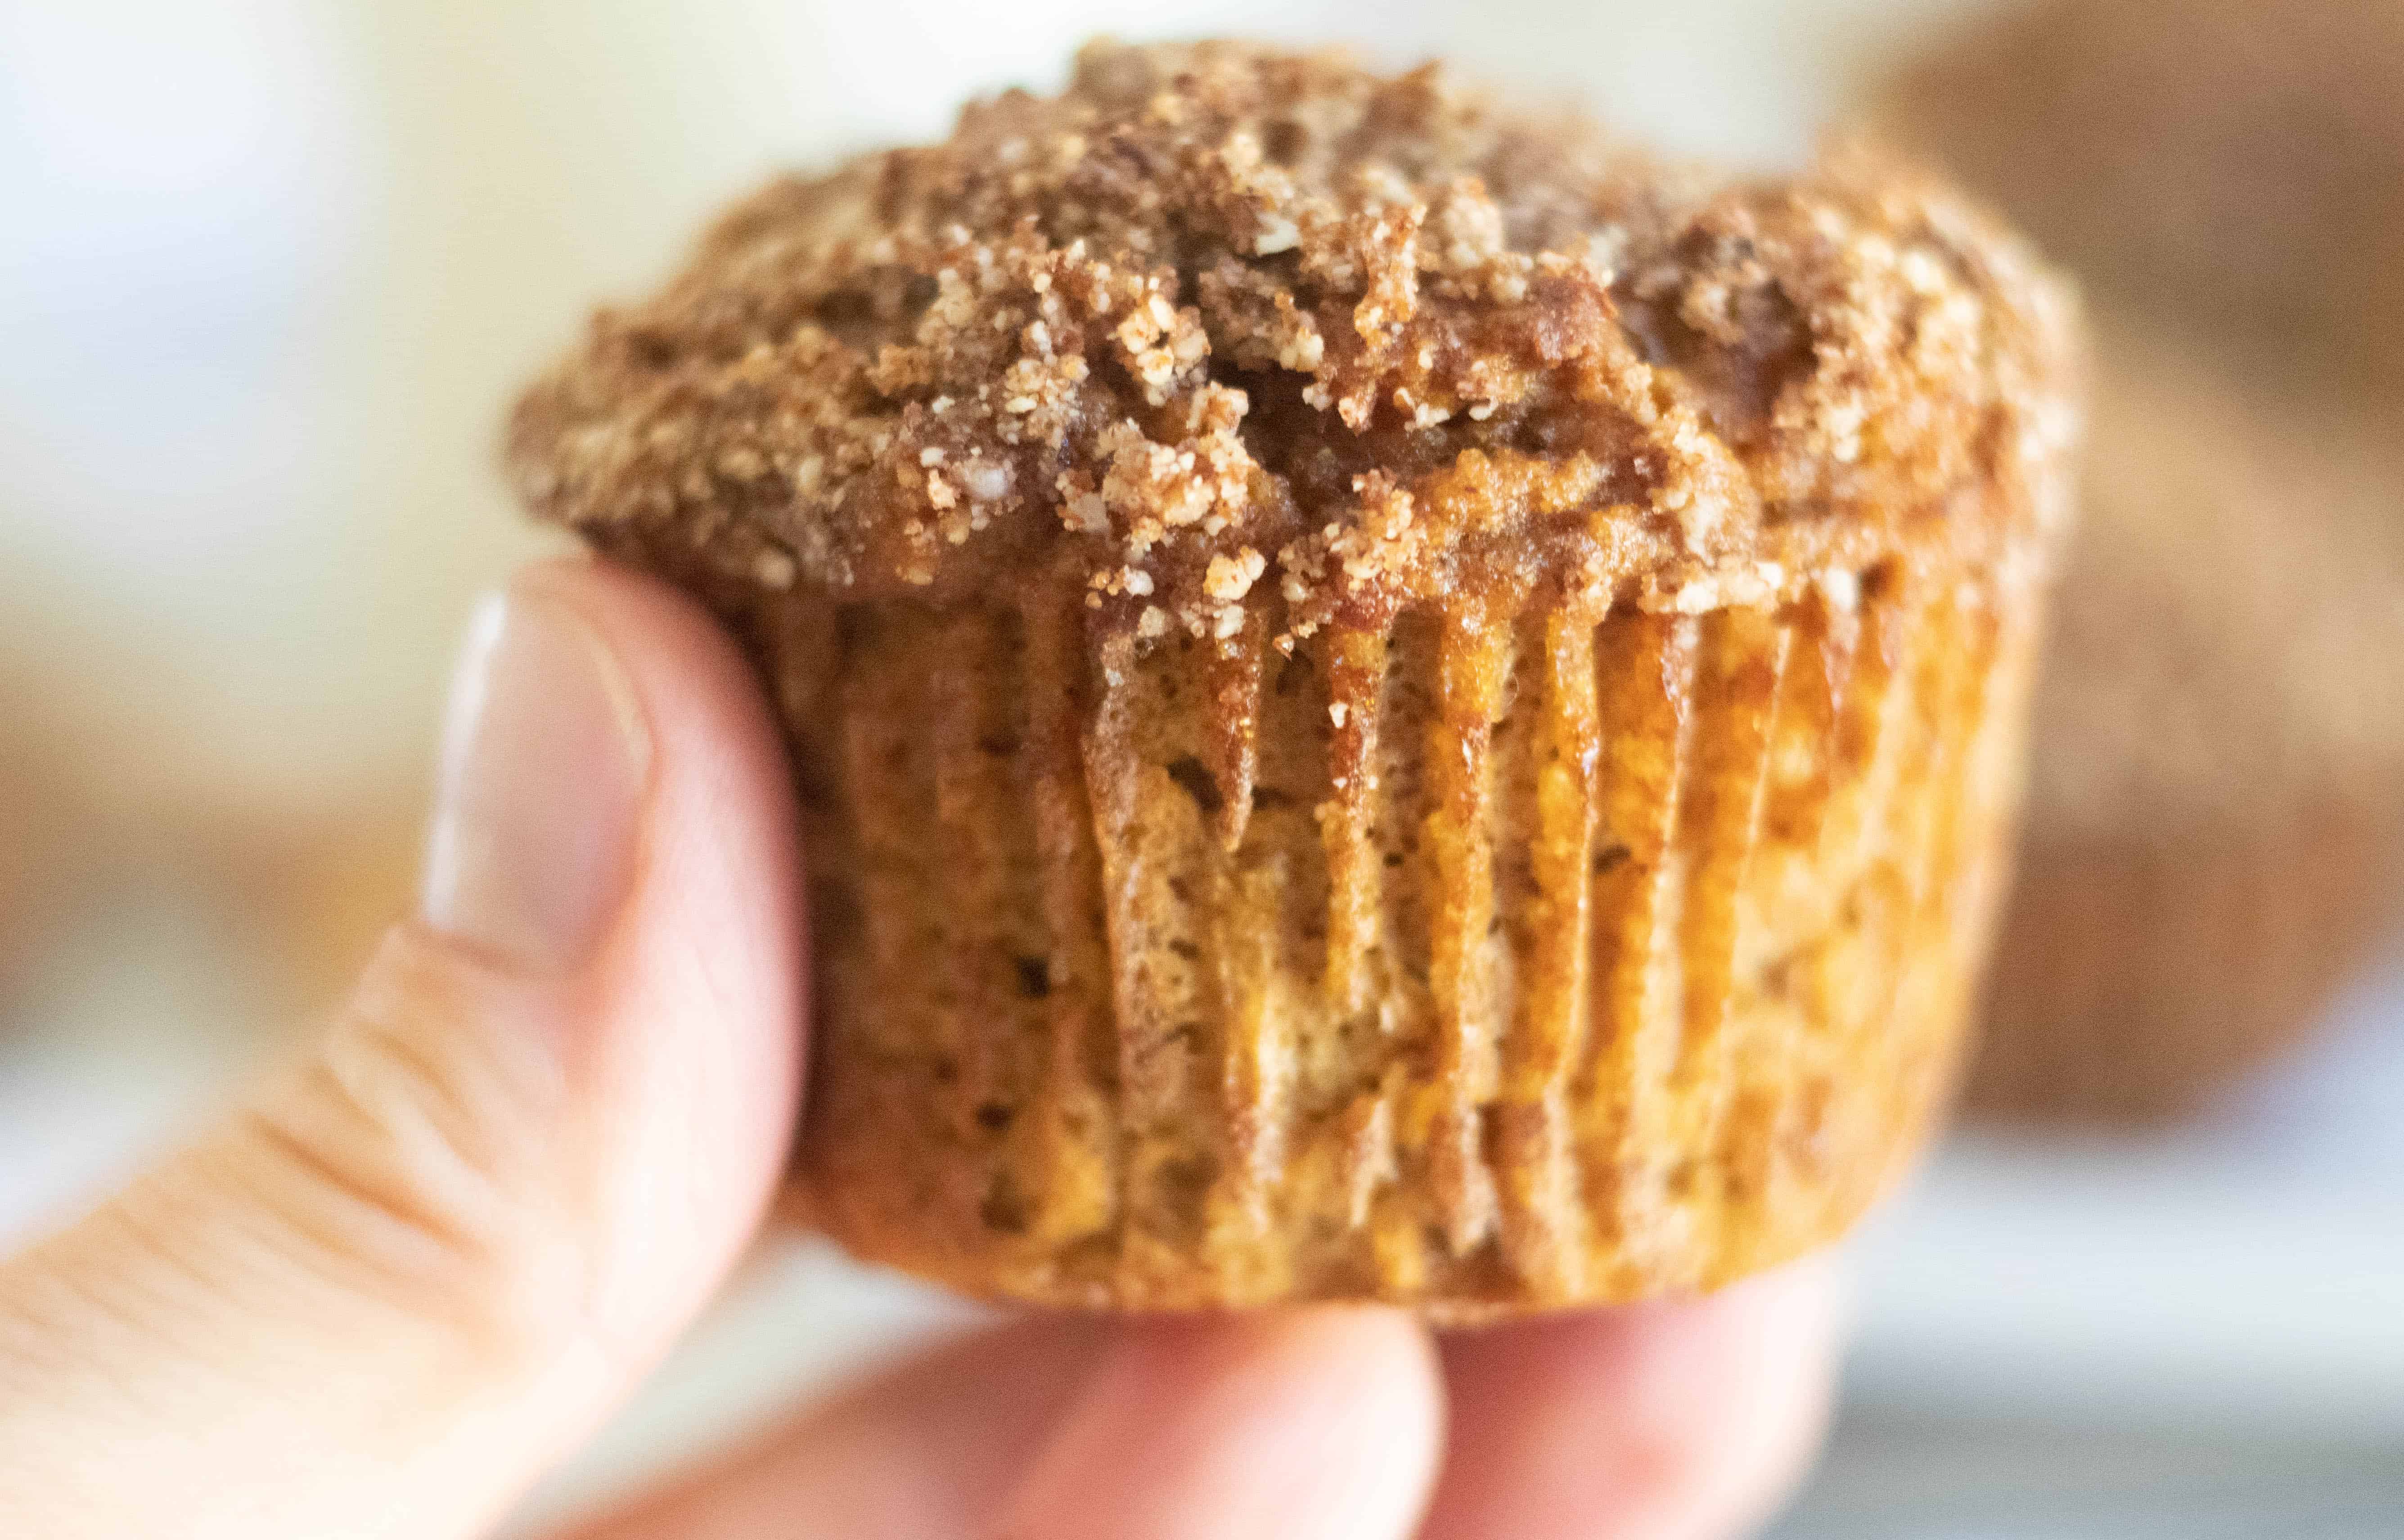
(1220, 327)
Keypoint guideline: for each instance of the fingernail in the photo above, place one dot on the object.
(545, 758)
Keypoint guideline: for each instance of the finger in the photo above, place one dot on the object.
(1321, 1424)
(1061, 1427)
(930, 1446)
(1672, 1421)
(404, 1276)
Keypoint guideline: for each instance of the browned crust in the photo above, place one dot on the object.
(1219, 316)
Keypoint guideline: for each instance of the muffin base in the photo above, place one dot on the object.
(1482, 966)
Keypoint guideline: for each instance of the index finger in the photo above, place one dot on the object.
(1678, 1420)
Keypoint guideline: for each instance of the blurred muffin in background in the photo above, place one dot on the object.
(2213, 839)
(290, 906)
(32, 866)
(2212, 842)
(319, 897)
(2231, 168)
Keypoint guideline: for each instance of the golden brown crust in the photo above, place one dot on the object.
(1218, 317)
(1390, 701)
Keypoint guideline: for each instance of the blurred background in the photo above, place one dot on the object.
(269, 269)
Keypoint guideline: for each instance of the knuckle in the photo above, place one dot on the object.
(408, 1162)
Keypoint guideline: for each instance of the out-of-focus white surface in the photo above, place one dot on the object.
(1911, 1476)
(2242, 1274)
(269, 270)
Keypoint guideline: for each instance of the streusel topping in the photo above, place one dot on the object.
(1217, 317)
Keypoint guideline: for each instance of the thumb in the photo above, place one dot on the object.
(417, 1266)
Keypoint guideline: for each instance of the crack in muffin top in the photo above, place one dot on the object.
(1218, 322)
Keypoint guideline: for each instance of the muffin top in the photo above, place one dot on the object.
(1218, 322)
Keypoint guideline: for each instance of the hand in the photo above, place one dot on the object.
(413, 1272)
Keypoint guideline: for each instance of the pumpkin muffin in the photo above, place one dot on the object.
(39, 816)
(2214, 838)
(2212, 847)
(2230, 169)
(1392, 701)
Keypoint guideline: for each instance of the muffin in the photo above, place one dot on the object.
(2212, 841)
(38, 816)
(19, 900)
(2216, 825)
(1392, 701)
(2232, 170)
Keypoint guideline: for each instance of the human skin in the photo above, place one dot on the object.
(412, 1270)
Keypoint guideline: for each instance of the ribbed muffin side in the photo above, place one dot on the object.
(1487, 962)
